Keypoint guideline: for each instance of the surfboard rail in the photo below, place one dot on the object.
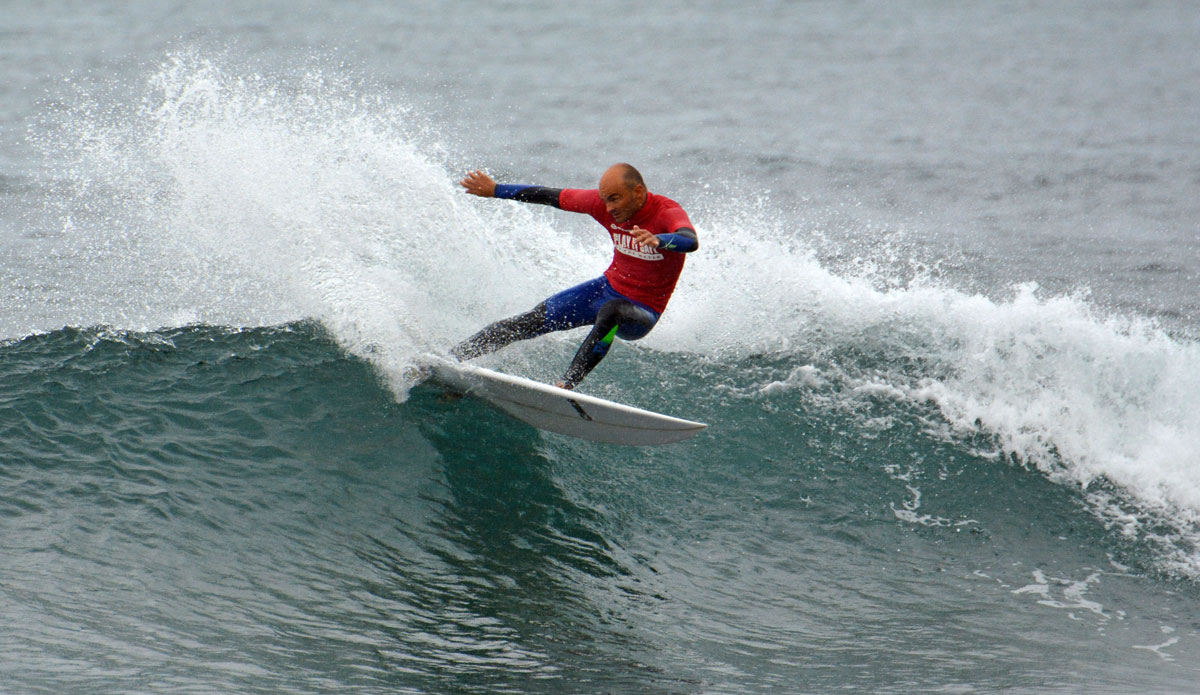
(566, 412)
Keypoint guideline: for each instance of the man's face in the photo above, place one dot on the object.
(622, 200)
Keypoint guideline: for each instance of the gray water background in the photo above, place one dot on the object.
(1046, 142)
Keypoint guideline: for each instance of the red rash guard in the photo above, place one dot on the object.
(642, 273)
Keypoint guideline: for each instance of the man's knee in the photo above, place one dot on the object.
(628, 319)
(520, 327)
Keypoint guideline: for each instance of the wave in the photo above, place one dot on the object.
(219, 195)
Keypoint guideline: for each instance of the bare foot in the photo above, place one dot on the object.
(563, 385)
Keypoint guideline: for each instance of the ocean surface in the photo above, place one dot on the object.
(943, 323)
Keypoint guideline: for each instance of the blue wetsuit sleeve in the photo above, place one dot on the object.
(682, 240)
(528, 194)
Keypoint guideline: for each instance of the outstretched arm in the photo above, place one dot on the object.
(480, 184)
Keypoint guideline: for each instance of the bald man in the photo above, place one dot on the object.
(650, 235)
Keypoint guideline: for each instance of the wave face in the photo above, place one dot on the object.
(219, 472)
(253, 509)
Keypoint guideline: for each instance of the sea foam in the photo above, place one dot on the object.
(1101, 401)
(241, 198)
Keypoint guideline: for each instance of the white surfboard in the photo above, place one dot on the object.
(551, 408)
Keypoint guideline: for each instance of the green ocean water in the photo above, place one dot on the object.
(251, 510)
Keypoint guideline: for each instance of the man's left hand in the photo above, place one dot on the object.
(644, 236)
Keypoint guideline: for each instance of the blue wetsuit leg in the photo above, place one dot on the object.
(595, 302)
(611, 314)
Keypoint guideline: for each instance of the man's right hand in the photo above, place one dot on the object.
(480, 184)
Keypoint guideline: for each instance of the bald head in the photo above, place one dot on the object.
(623, 191)
(630, 176)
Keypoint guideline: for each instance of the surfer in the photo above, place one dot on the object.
(650, 235)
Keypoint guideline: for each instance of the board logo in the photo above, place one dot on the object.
(579, 409)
